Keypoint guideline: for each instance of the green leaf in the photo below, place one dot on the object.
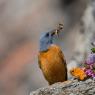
(93, 50)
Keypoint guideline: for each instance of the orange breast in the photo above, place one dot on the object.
(53, 65)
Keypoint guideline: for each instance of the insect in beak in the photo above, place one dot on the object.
(59, 29)
(57, 33)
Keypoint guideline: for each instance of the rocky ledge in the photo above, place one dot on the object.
(72, 87)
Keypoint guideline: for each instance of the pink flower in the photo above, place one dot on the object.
(93, 75)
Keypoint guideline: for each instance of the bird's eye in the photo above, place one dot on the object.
(47, 34)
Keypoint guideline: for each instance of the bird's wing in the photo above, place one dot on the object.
(66, 70)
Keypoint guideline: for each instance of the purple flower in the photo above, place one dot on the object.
(89, 72)
(93, 75)
(91, 59)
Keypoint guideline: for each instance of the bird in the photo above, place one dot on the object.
(51, 59)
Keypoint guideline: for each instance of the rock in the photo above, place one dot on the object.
(72, 87)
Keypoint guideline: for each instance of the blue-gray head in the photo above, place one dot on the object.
(47, 38)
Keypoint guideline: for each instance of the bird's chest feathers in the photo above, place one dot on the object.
(50, 61)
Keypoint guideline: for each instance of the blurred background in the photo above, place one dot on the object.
(21, 24)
